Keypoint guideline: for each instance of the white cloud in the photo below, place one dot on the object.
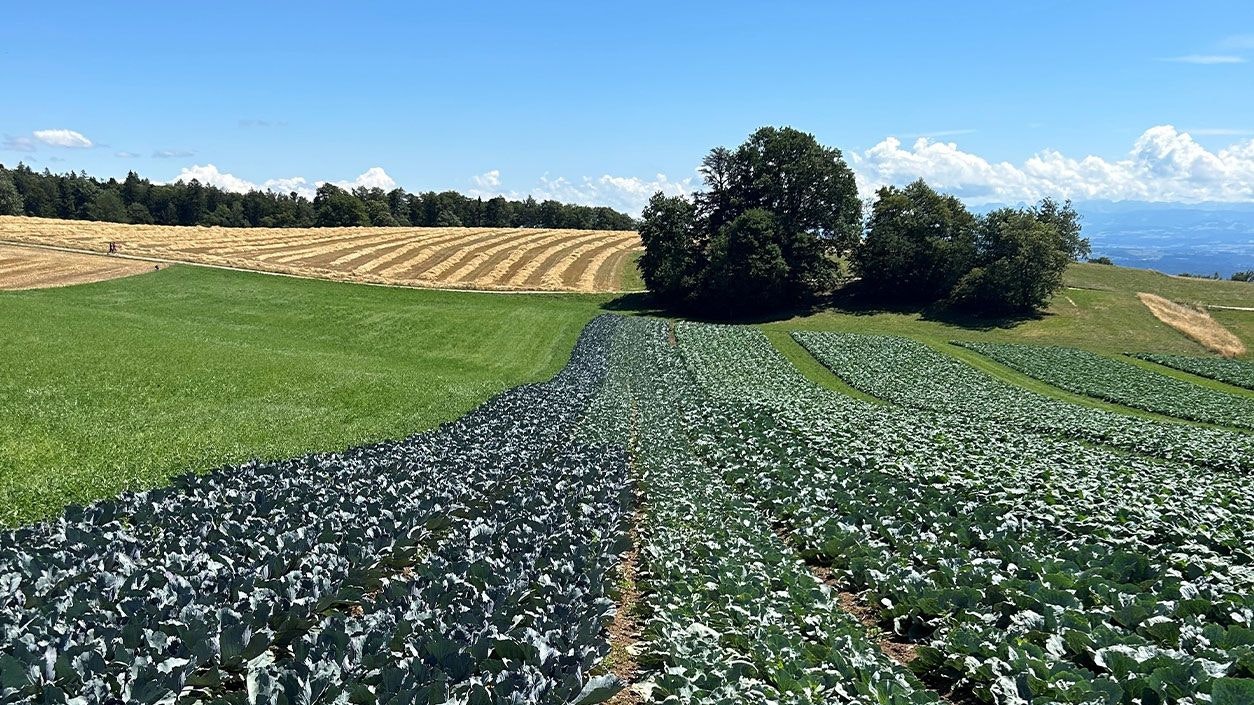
(489, 179)
(125, 155)
(374, 177)
(210, 175)
(62, 138)
(1164, 164)
(171, 153)
(628, 194)
(1207, 59)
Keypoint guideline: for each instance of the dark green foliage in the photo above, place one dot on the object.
(1102, 260)
(919, 243)
(1020, 259)
(746, 264)
(669, 263)
(335, 207)
(1245, 276)
(448, 219)
(80, 197)
(925, 247)
(107, 206)
(472, 563)
(1067, 222)
(807, 210)
(10, 199)
(138, 213)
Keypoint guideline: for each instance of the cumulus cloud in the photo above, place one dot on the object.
(628, 194)
(1164, 164)
(489, 179)
(1206, 59)
(62, 138)
(210, 175)
(374, 177)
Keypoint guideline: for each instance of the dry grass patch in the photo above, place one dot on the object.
(1194, 322)
(36, 268)
(474, 258)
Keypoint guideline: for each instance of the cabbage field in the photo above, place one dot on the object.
(910, 373)
(1235, 372)
(968, 542)
(1088, 373)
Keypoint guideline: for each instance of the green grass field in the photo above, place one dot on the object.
(1098, 310)
(119, 384)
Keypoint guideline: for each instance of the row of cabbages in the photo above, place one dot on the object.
(469, 564)
(1235, 372)
(734, 615)
(912, 374)
(1084, 372)
(1031, 569)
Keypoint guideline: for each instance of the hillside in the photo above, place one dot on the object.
(1097, 310)
(126, 382)
(506, 259)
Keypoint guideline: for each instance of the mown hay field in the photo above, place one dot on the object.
(36, 268)
(508, 259)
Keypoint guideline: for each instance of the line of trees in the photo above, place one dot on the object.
(24, 191)
(782, 212)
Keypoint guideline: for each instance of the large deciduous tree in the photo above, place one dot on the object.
(1020, 259)
(765, 232)
(918, 244)
(335, 207)
(924, 247)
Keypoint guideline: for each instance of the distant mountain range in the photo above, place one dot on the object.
(1170, 237)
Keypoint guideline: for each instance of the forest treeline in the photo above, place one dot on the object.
(77, 196)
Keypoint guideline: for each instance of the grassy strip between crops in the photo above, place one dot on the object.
(1188, 377)
(120, 384)
(812, 369)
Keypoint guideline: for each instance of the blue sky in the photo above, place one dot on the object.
(604, 103)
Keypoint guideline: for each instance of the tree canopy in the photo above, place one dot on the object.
(780, 211)
(918, 244)
(763, 234)
(925, 247)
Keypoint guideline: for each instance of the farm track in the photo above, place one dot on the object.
(897, 649)
(481, 259)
